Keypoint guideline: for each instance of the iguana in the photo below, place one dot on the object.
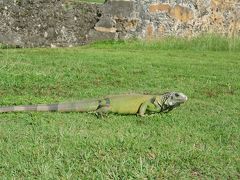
(139, 104)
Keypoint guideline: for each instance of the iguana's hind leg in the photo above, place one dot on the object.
(102, 111)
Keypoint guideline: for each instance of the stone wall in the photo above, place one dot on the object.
(151, 19)
(38, 23)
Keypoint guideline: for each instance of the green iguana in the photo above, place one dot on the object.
(139, 104)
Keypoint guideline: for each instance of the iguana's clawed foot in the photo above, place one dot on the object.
(141, 115)
(101, 115)
(146, 115)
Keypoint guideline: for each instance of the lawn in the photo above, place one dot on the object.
(200, 139)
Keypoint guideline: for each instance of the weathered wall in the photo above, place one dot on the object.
(150, 19)
(30, 23)
(38, 23)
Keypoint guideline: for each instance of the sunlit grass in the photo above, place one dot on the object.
(198, 140)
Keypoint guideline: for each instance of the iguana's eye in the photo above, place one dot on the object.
(176, 94)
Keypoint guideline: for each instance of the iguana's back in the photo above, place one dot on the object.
(127, 104)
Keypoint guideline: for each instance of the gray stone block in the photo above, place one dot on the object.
(118, 9)
(97, 36)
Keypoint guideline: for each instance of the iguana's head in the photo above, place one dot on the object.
(173, 99)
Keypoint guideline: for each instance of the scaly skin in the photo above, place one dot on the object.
(121, 104)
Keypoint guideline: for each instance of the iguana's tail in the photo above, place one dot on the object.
(80, 106)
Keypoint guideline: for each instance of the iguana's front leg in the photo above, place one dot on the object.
(143, 108)
(150, 106)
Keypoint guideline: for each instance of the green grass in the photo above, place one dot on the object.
(198, 140)
(208, 42)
